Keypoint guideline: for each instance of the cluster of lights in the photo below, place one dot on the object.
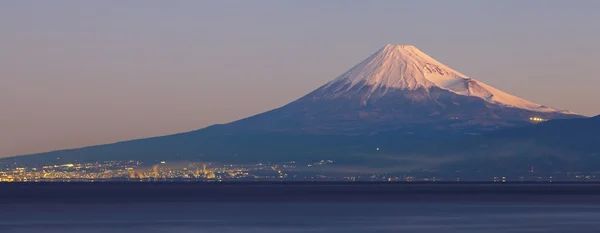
(537, 119)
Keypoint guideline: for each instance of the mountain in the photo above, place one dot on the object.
(400, 87)
(399, 99)
(571, 145)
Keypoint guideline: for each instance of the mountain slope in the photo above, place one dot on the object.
(571, 145)
(578, 135)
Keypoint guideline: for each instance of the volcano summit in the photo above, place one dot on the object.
(400, 87)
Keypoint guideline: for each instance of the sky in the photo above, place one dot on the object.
(76, 73)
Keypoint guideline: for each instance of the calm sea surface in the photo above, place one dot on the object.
(518, 213)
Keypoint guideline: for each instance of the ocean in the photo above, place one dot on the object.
(149, 208)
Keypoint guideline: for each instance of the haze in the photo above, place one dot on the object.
(77, 73)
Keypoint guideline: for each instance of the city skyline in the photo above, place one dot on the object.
(79, 74)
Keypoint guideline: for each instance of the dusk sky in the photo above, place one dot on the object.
(77, 73)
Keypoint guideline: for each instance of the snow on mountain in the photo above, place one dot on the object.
(405, 67)
(401, 88)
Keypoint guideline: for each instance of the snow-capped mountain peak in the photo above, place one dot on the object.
(405, 67)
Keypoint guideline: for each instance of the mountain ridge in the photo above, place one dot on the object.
(498, 152)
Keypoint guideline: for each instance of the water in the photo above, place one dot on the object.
(519, 213)
(297, 217)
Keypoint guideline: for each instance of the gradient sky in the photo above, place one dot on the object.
(76, 73)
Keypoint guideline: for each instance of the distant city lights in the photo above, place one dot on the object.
(537, 119)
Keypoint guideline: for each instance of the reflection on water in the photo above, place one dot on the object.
(298, 217)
